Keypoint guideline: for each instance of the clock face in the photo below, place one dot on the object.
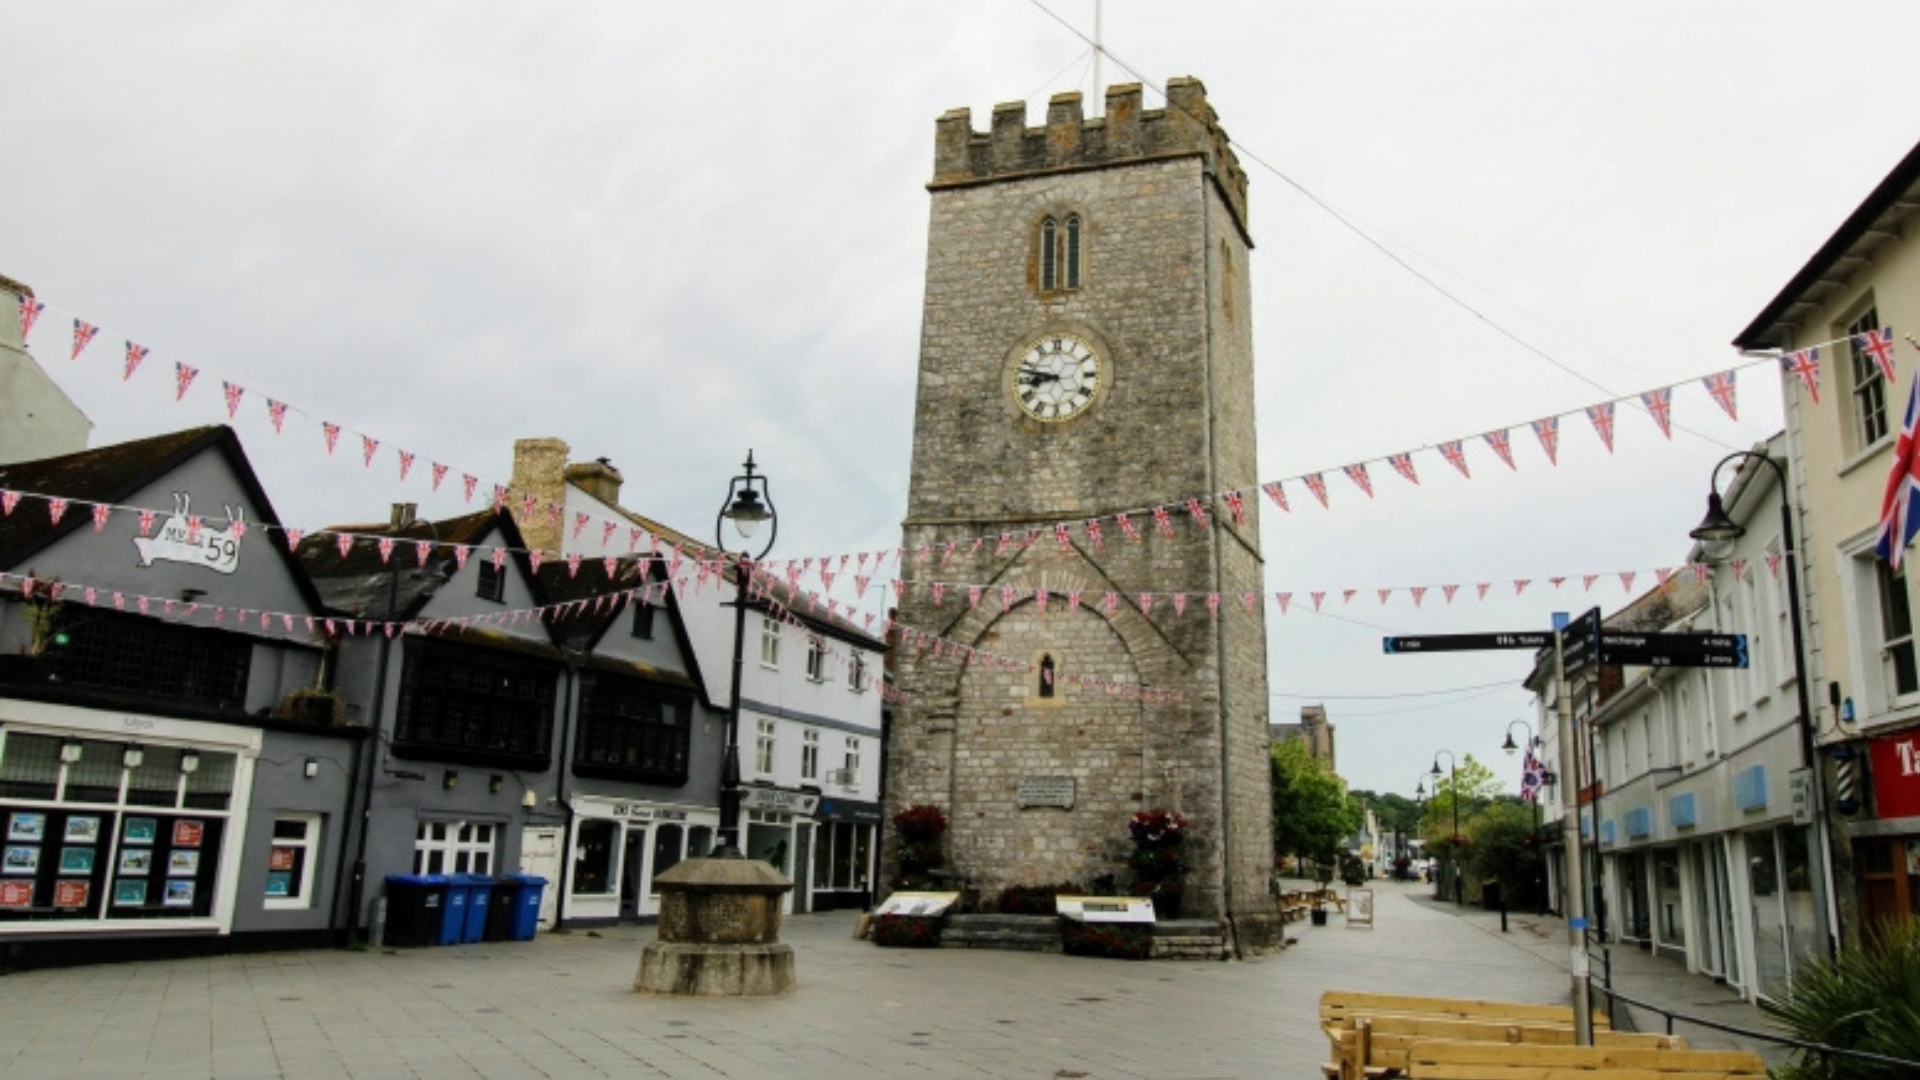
(1058, 377)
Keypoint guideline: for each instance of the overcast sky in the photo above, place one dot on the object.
(667, 233)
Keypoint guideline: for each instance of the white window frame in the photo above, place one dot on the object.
(816, 659)
(851, 760)
(810, 754)
(769, 642)
(1870, 401)
(765, 742)
(307, 860)
(857, 674)
(473, 841)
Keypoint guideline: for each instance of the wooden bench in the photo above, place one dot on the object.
(1294, 905)
(1337, 1007)
(1377, 1046)
(1435, 1059)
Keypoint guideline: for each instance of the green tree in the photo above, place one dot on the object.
(1501, 848)
(1312, 814)
(1396, 813)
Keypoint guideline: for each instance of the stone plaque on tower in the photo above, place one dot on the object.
(1086, 360)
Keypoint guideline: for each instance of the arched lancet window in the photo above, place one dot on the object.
(1059, 253)
(1046, 675)
(1071, 257)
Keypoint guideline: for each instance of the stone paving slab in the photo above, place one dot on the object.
(562, 1007)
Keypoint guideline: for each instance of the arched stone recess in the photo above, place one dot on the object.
(1120, 751)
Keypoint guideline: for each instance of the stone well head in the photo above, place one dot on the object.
(721, 902)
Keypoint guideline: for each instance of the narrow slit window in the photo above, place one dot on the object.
(1049, 255)
(1072, 258)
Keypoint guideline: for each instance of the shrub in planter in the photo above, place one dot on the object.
(1115, 941)
(1866, 998)
(1035, 899)
(1159, 860)
(920, 829)
(907, 931)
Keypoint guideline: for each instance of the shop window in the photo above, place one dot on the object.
(596, 841)
(699, 841)
(667, 852)
(459, 705)
(632, 730)
(453, 847)
(291, 861)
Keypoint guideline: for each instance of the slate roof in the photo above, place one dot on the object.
(360, 585)
(113, 475)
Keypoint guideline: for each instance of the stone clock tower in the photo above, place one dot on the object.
(1086, 351)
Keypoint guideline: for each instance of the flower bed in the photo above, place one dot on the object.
(1115, 941)
(907, 931)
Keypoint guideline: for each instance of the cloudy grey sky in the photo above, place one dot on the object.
(667, 233)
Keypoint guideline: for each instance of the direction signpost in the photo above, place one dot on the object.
(1571, 649)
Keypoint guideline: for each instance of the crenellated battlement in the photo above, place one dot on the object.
(1070, 141)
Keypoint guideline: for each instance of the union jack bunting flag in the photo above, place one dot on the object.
(406, 464)
(1197, 512)
(1547, 429)
(135, 354)
(1163, 520)
(1456, 456)
(1403, 464)
(1318, 599)
(368, 446)
(1127, 526)
(182, 378)
(1879, 345)
(440, 473)
(1449, 590)
(1659, 405)
(1318, 485)
(1501, 446)
(332, 434)
(1721, 386)
(82, 334)
(1059, 534)
(1899, 516)
(1236, 506)
(1806, 364)
(1283, 599)
(1533, 776)
(1277, 493)
(30, 310)
(1602, 417)
(233, 392)
(1358, 474)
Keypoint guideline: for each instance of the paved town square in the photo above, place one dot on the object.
(562, 1006)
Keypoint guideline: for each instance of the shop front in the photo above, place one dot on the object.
(845, 844)
(620, 847)
(119, 824)
(1886, 848)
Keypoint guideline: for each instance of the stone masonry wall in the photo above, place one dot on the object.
(1165, 300)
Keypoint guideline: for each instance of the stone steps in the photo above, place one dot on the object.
(1173, 939)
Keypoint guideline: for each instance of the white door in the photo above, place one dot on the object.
(540, 855)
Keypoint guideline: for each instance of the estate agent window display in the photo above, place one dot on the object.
(109, 831)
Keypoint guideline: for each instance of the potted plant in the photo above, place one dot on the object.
(919, 829)
(311, 705)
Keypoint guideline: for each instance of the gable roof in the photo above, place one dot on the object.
(584, 627)
(113, 475)
(362, 585)
(1873, 223)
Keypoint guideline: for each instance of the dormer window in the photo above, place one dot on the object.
(1059, 253)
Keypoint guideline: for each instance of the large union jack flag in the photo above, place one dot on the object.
(1533, 775)
(1900, 508)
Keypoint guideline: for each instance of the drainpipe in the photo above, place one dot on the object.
(564, 763)
(358, 892)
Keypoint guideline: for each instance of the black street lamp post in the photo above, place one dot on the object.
(749, 503)
(1453, 842)
(1717, 529)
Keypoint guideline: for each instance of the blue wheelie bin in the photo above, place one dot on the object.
(526, 912)
(416, 906)
(479, 899)
(453, 920)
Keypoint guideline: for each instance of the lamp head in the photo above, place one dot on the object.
(1510, 746)
(746, 512)
(1435, 771)
(1717, 527)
